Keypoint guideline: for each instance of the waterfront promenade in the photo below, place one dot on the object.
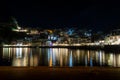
(59, 73)
(115, 48)
(57, 46)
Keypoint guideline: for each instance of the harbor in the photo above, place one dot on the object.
(45, 40)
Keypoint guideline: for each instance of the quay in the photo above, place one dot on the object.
(89, 47)
(81, 47)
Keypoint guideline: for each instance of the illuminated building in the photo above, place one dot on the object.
(113, 38)
(17, 28)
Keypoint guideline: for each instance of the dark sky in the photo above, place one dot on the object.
(85, 13)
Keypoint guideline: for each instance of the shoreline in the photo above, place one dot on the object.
(61, 73)
(113, 48)
(87, 47)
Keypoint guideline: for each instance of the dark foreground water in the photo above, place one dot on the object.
(59, 57)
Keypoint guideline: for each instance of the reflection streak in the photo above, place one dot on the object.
(59, 57)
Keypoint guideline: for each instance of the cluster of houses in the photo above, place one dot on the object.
(66, 35)
(69, 36)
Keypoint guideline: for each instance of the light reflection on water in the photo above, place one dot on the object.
(57, 57)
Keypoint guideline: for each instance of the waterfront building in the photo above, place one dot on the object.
(113, 38)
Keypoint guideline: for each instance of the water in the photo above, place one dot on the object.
(57, 57)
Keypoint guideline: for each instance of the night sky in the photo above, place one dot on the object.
(84, 14)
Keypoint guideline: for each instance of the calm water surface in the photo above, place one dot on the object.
(59, 57)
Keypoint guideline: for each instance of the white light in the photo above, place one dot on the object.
(19, 27)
